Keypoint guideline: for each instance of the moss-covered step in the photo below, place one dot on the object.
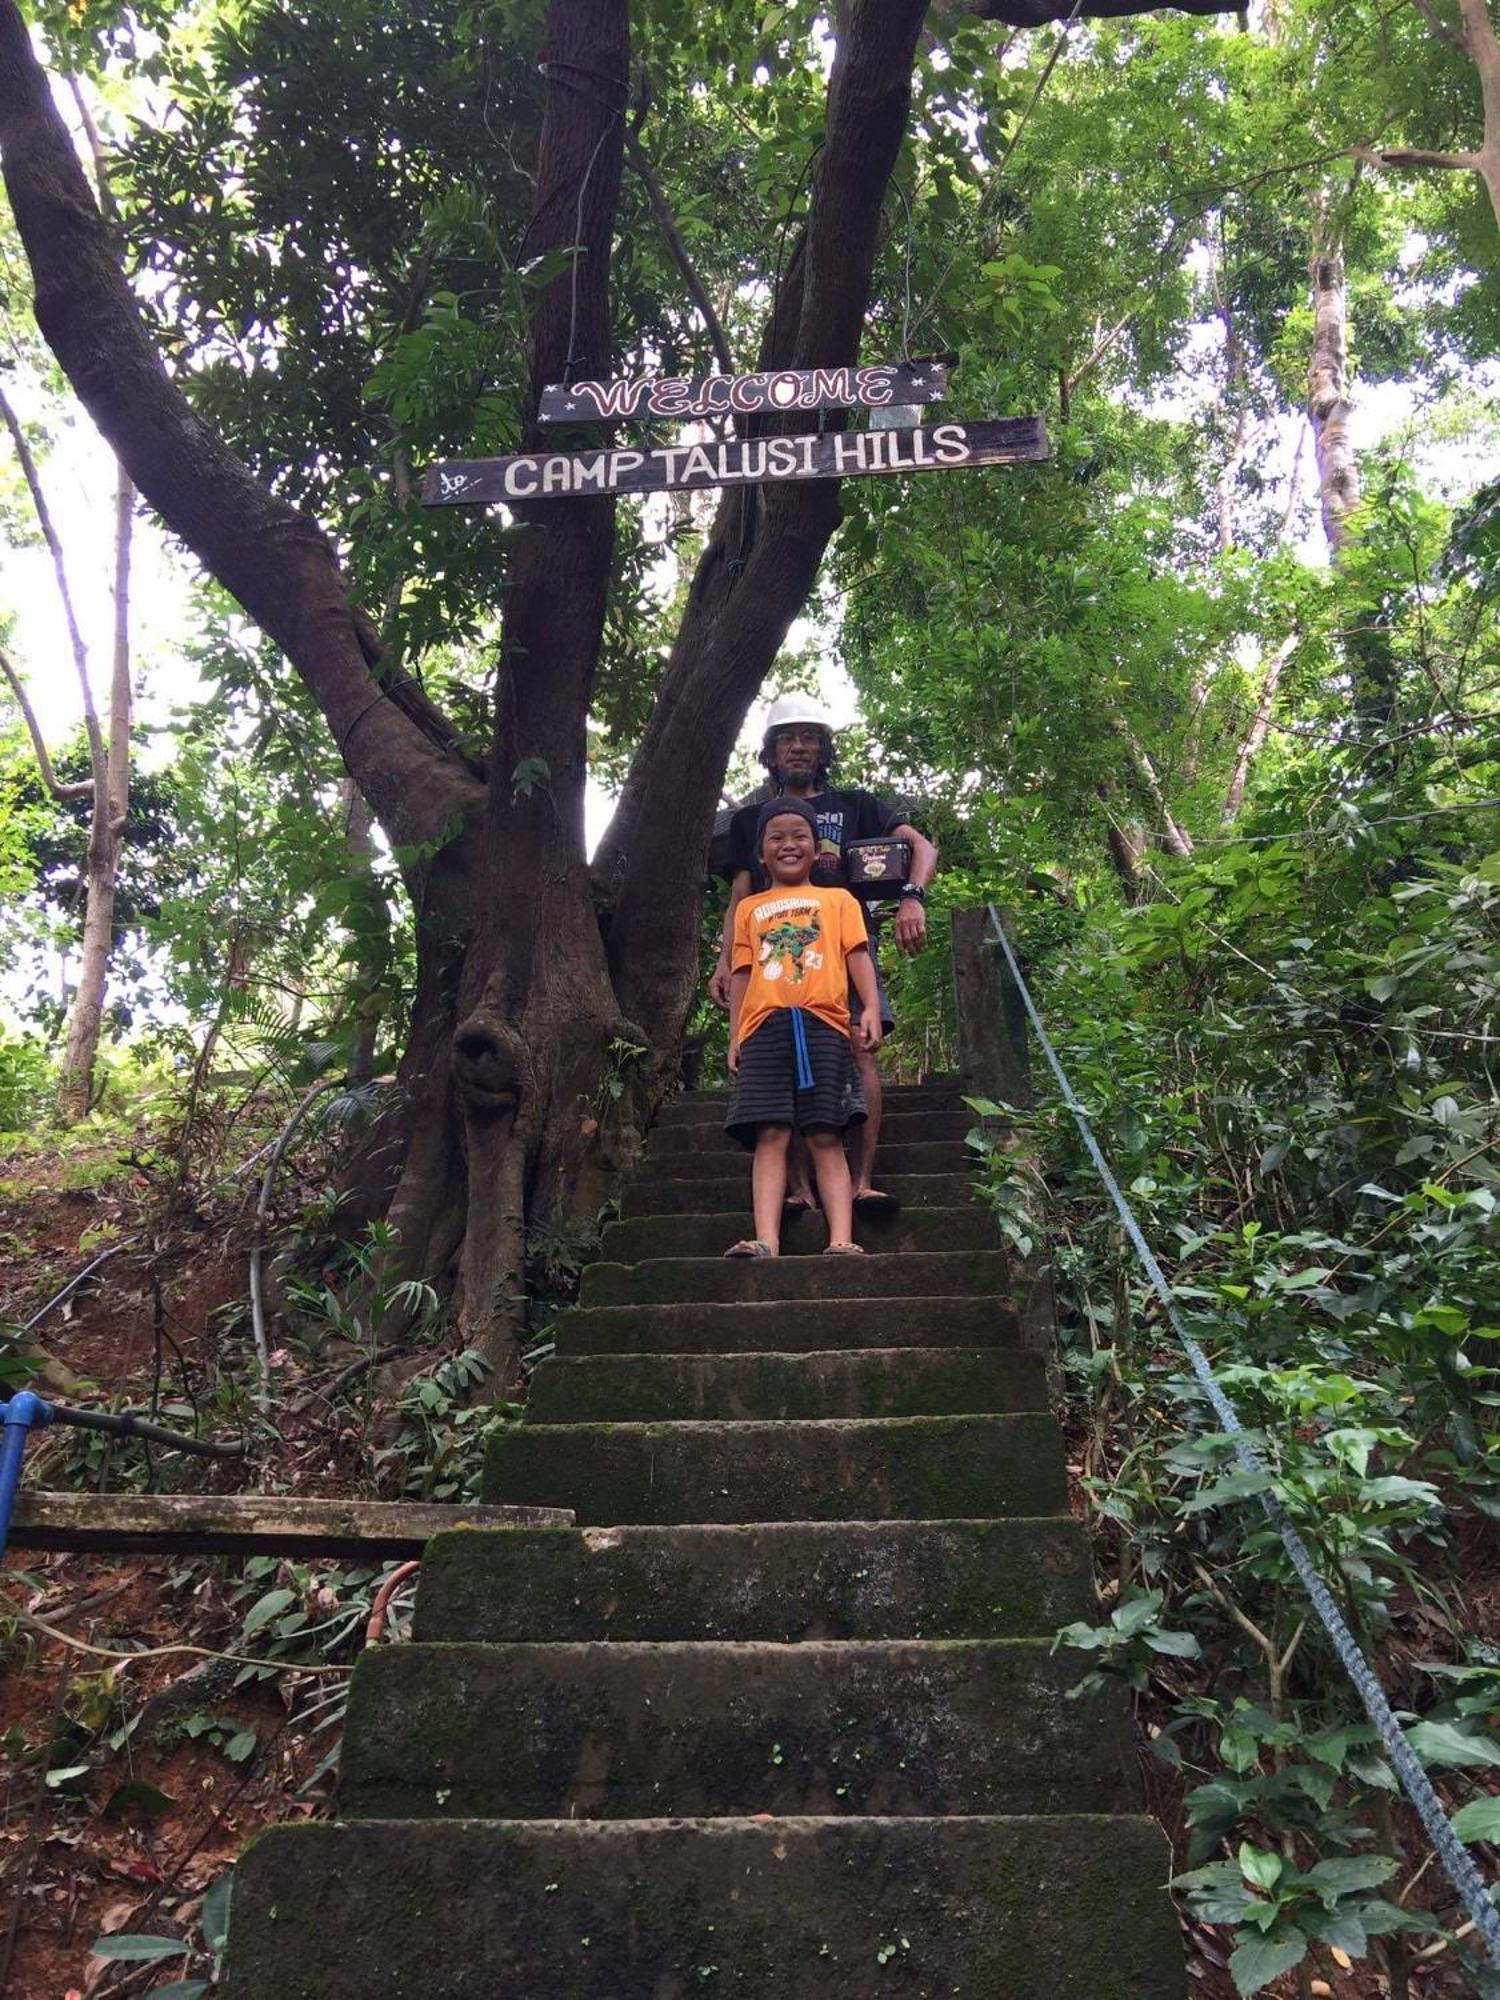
(620, 1731)
(710, 1235)
(799, 1909)
(787, 1580)
(701, 1107)
(880, 1469)
(798, 1280)
(765, 1326)
(915, 1156)
(729, 1187)
(854, 1382)
(896, 1128)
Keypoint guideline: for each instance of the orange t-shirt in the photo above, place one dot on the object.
(795, 944)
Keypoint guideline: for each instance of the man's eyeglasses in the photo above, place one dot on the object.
(790, 737)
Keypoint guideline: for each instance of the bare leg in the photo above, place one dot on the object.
(799, 1179)
(866, 1136)
(834, 1187)
(768, 1182)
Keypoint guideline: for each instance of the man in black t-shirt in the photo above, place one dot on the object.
(797, 751)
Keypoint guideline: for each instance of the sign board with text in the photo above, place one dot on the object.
(944, 447)
(775, 391)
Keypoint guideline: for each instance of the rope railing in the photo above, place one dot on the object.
(1458, 1864)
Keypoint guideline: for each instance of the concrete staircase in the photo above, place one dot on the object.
(781, 1715)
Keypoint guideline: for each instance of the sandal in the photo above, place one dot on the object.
(875, 1201)
(798, 1204)
(750, 1246)
(844, 1250)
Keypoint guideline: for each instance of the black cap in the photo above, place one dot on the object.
(773, 807)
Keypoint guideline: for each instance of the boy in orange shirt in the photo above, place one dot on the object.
(797, 949)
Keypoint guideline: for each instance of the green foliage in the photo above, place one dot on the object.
(1288, 1060)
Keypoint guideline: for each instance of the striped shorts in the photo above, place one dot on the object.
(772, 1086)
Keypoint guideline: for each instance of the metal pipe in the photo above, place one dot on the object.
(24, 1412)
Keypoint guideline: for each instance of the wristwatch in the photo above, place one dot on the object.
(910, 889)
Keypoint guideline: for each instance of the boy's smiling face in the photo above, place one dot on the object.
(789, 848)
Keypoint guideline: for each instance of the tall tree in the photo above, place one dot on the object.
(534, 972)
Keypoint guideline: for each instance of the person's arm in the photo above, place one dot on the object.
(862, 979)
(909, 930)
(738, 981)
(718, 985)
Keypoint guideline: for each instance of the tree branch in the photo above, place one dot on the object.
(275, 561)
(1454, 37)
(64, 590)
(1417, 156)
(80, 788)
(1037, 13)
(666, 222)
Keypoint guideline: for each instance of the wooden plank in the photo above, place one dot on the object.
(251, 1523)
(778, 389)
(481, 482)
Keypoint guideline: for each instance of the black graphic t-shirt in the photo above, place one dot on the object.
(842, 816)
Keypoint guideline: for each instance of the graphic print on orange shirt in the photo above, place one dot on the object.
(795, 944)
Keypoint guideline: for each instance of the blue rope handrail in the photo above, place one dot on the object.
(1458, 1864)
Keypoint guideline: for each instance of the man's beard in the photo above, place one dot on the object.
(786, 781)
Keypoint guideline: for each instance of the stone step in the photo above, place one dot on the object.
(805, 1235)
(798, 1909)
(765, 1326)
(785, 1580)
(859, 1382)
(899, 1127)
(706, 1193)
(704, 1106)
(876, 1469)
(903, 1156)
(711, 1280)
(621, 1731)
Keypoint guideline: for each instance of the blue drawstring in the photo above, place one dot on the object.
(799, 1043)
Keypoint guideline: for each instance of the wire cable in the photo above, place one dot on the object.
(1458, 1864)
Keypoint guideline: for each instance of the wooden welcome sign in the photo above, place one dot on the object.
(947, 447)
(776, 391)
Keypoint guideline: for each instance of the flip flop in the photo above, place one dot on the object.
(750, 1246)
(875, 1201)
(844, 1250)
(798, 1204)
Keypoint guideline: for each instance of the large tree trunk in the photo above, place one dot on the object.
(1328, 381)
(518, 1014)
(111, 806)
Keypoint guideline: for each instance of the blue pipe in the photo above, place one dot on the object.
(24, 1413)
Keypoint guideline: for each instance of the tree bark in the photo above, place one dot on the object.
(1260, 724)
(537, 1013)
(1328, 384)
(111, 806)
(1174, 837)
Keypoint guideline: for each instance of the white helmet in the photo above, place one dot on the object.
(789, 709)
